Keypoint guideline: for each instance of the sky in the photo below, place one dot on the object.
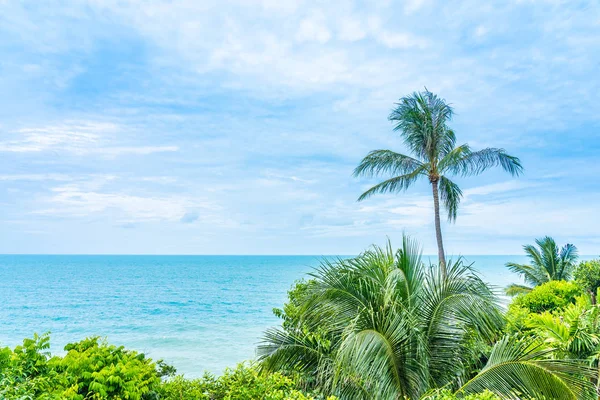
(233, 127)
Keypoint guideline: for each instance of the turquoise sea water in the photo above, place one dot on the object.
(196, 312)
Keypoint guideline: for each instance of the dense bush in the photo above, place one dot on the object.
(242, 383)
(95, 370)
(91, 369)
(587, 275)
(448, 395)
(25, 372)
(549, 296)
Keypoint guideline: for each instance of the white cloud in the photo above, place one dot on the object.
(313, 28)
(77, 137)
(395, 40)
(351, 29)
(76, 200)
(35, 177)
(499, 187)
(139, 150)
(412, 6)
(480, 31)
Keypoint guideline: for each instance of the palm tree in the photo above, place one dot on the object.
(383, 325)
(548, 263)
(422, 120)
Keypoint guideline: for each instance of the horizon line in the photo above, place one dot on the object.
(245, 255)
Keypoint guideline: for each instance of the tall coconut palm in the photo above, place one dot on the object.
(548, 263)
(422, 120)
(383, 325)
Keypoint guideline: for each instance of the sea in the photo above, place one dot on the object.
(197, 313)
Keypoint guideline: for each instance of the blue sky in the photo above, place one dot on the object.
(233, 127)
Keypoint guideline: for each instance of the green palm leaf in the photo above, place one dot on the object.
(386, 162)
(451, 196)
(518, 369)
(476, 162)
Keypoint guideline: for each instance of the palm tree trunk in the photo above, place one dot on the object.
(438, 227)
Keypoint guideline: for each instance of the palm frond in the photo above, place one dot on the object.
(476, 162)
(394, 185)
(568, 258)
(453, 157)
(451, 196)
(386, 162)
(519, 369)
(533, 275)
(384, 355)
(450, 306)
(514, 289)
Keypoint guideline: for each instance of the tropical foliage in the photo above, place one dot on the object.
(548, 262)
(448, 395)
(95, 370)
(389, 327)
(243, 383)
(587, 275)
(574, 332)
(91, 369)
(549, 296)
(422, 120)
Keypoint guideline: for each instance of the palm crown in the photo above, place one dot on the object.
(422, 120)
(548, 263)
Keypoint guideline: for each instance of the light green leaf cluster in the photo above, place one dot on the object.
(245, 382)
(91, 369)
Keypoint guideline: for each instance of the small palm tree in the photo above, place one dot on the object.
(385, 326)
(422, 120)
(548, 263)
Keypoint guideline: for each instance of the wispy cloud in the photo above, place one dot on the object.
(73, 200)
(79, 138)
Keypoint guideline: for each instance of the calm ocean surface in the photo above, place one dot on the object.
(196, 312)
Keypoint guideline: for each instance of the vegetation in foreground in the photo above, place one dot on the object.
(382, 325)
(386, 326)
(93, 369)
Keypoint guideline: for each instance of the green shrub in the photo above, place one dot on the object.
(516, 318)
(550, 296)
(243, 383)
(448, 395)
(587, 275)
(90, 370)
(94, 369)
(25, 372)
